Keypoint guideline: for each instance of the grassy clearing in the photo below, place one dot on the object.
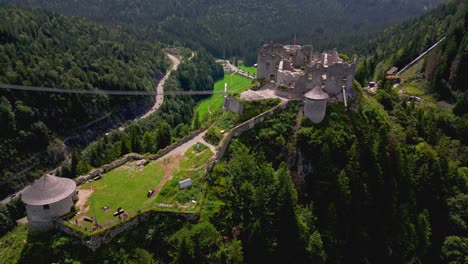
(209, 106)
(414, 72)
(124, 187)
(193, 166)
(213, 201)
(13, 244)
(127, 187)
(251, 70)
(413, 90)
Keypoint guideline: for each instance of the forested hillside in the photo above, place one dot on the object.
(236, 28)
(170, 123)
(365, 186)
(40, 48)
(381, 180)
(374, 186)
(445, 68)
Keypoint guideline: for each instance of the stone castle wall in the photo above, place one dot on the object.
(247, 125)
(94, 241)
(233, 105)
(134, 156)
(109, 167)
(326, 70)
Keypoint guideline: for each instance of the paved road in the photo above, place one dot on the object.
(160, 89)
(8, 199)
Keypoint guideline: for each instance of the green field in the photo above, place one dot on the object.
(13, 244)
(124, 187)
(127, 187)
(413, 90)
(192, 166)
(251, 70)
(209, 106)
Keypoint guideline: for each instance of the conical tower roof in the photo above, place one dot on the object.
(48, 190)
(316, 94)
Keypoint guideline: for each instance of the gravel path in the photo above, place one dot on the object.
(180, 151)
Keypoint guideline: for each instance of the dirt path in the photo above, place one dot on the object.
(172, 160)
(171, 163)
(83, 196)
(180, 151)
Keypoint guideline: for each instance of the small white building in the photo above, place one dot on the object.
(46, 199)
(185, 183)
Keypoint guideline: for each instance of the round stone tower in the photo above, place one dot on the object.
(46, 199)
(315, 104)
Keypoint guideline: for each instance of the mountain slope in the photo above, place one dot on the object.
(39, 48)
(229, 28)
(445, 67)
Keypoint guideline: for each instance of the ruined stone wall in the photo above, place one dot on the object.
(105, 236)
(233, 105)
(267, 66)
(109, 167)
(286, 65)
(350, 79)
(300, 59)
(247, 125)
(170, 148)
(339, 75)
(288, 78)
(331, 78)
(312, 77)
(285, 93)
(333, 57)
(268, 59)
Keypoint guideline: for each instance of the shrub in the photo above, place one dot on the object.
(213, 135)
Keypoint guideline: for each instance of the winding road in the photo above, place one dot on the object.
(158, 102)
(160, 88)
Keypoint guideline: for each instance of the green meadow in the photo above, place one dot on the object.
(124, 187)
(206, 108)
(127, 187)
(251, 70)
(192, 166)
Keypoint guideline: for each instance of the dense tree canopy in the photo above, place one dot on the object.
(236, 28)
(445, 67)
(39, 48)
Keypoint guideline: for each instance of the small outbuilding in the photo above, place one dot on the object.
(315, 105)
(185, 183)
(46, 199)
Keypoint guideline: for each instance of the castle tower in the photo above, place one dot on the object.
(46, 199)
(315, 105)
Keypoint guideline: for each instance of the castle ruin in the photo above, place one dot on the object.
(298, 72)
